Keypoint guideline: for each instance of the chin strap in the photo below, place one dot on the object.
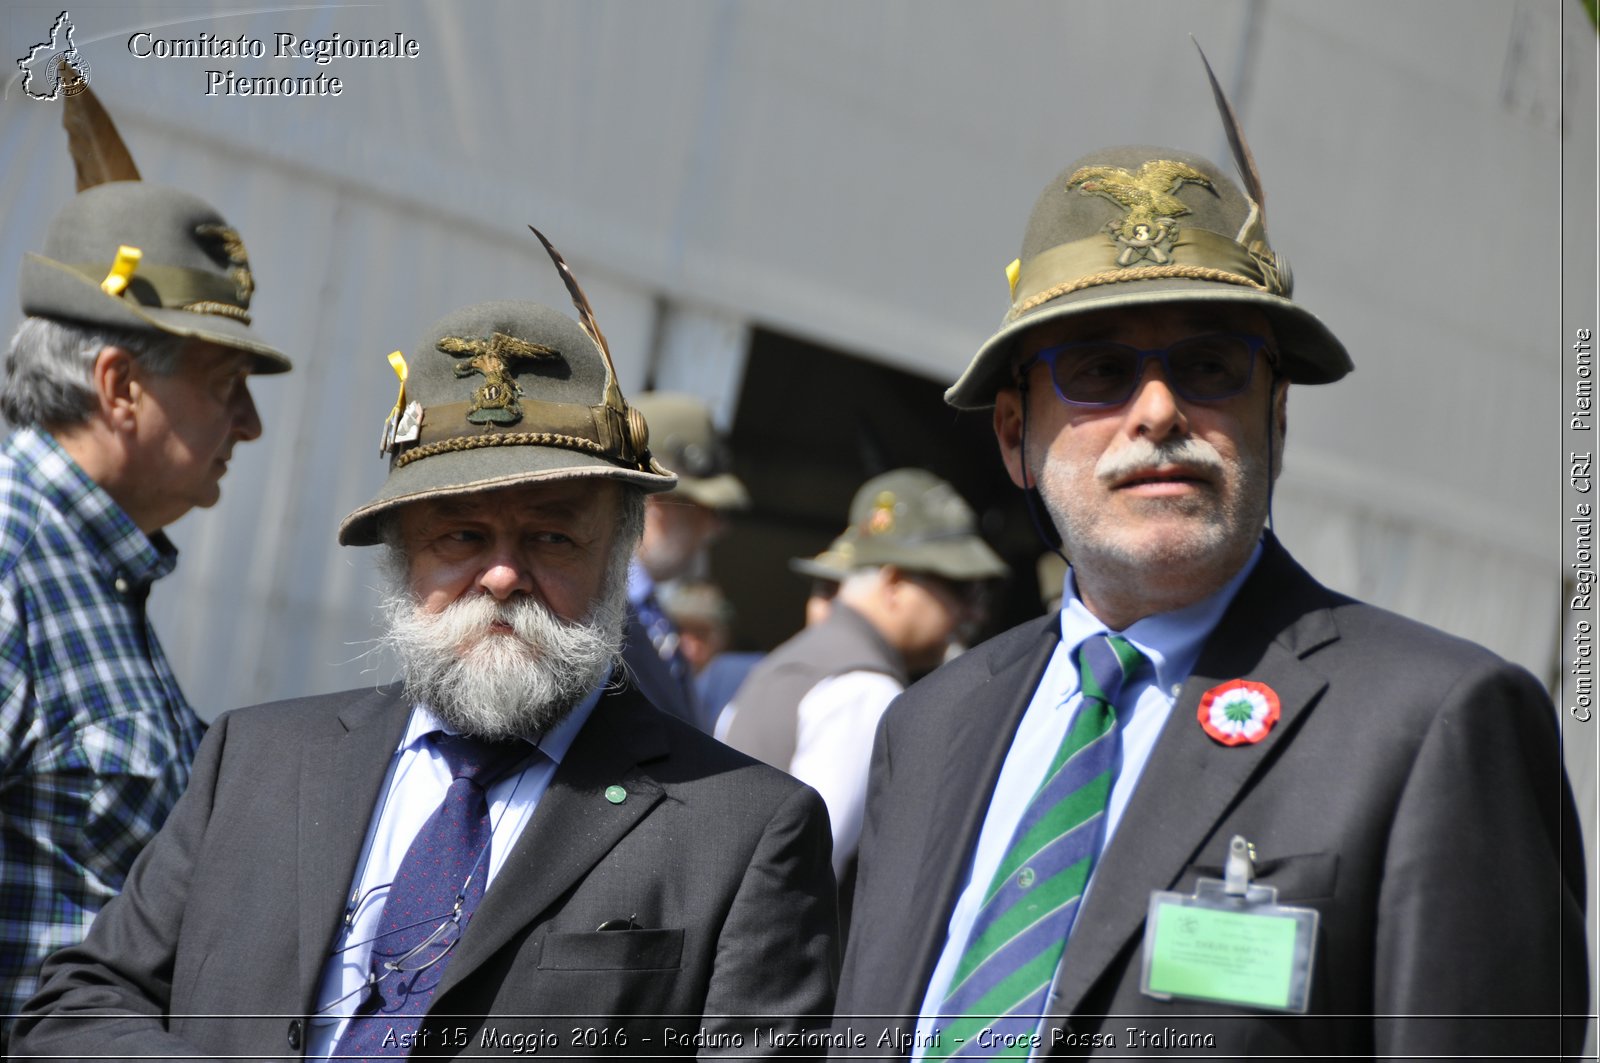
(1272, 403)
(1042, 526)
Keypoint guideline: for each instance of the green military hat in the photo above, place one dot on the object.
(500, 394)
(912, 519)
(134, 255)
(684, 441)
(126, 254)
(1139, 226)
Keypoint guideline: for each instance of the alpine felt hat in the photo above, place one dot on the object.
(1140, 226)
(134, 255)
(501, 394)
(914, 520)
(684, 441)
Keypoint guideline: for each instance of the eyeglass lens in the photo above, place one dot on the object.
(387, 963)
(1200, 368)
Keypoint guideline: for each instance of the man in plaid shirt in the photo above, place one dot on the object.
(126, 385)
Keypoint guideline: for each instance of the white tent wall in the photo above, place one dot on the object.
(858, 173)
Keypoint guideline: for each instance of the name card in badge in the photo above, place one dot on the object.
(1230, 942)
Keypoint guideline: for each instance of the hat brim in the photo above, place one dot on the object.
(964, 558)
(1311, 354)
(53, 290)
(811, 568)
(465, 472)
(714, 492)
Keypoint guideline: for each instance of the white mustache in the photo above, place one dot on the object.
(468, 621)
(1144, 456)
(485, 682)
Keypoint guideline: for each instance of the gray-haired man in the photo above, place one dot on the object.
(1209, 791)
(126, 387)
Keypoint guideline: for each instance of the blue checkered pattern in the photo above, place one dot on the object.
(96, 739)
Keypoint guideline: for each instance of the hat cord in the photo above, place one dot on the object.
(499, 439)
(1142, 273)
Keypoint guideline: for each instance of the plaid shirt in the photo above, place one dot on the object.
(96, 739)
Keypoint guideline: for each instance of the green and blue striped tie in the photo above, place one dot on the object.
(1021, 929)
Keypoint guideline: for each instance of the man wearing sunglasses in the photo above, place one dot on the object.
(1211, 804)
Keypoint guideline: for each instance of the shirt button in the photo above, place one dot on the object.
(121, 584)
(296, 1032)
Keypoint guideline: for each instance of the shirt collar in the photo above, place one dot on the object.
(119, 547)
(1169, 641)
(554, 744)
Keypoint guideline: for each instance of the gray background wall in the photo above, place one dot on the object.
(857, 174)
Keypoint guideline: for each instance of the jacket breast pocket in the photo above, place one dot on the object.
(613, 950)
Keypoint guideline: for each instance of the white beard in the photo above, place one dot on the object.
(496, 685)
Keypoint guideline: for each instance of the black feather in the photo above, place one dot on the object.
(579, 300)
(1242, 158)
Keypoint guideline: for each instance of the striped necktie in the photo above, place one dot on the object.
(1021, 929)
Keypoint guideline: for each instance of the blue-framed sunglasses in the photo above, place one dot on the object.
(1206, 368)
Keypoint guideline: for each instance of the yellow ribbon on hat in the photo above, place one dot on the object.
(391, 423)
(398, 362)
(122, 269)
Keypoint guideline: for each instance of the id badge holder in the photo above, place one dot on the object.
(1229, 942)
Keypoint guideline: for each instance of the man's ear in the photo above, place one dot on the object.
(1010, 413)
(116, 387)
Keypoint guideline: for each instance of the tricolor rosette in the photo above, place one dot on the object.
(1239, 712)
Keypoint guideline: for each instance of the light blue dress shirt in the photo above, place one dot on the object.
(1171, 642)
(417, 782)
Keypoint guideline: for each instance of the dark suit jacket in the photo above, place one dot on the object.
(1412, 792)
(231, 910)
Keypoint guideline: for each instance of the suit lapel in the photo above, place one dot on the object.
(340, 775)
(1190, 781)
(978, 738)
(574, 826)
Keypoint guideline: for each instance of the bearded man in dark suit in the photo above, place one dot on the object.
(509, 852)
(1081, 836)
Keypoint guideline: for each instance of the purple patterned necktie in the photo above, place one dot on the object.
(434, 893)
